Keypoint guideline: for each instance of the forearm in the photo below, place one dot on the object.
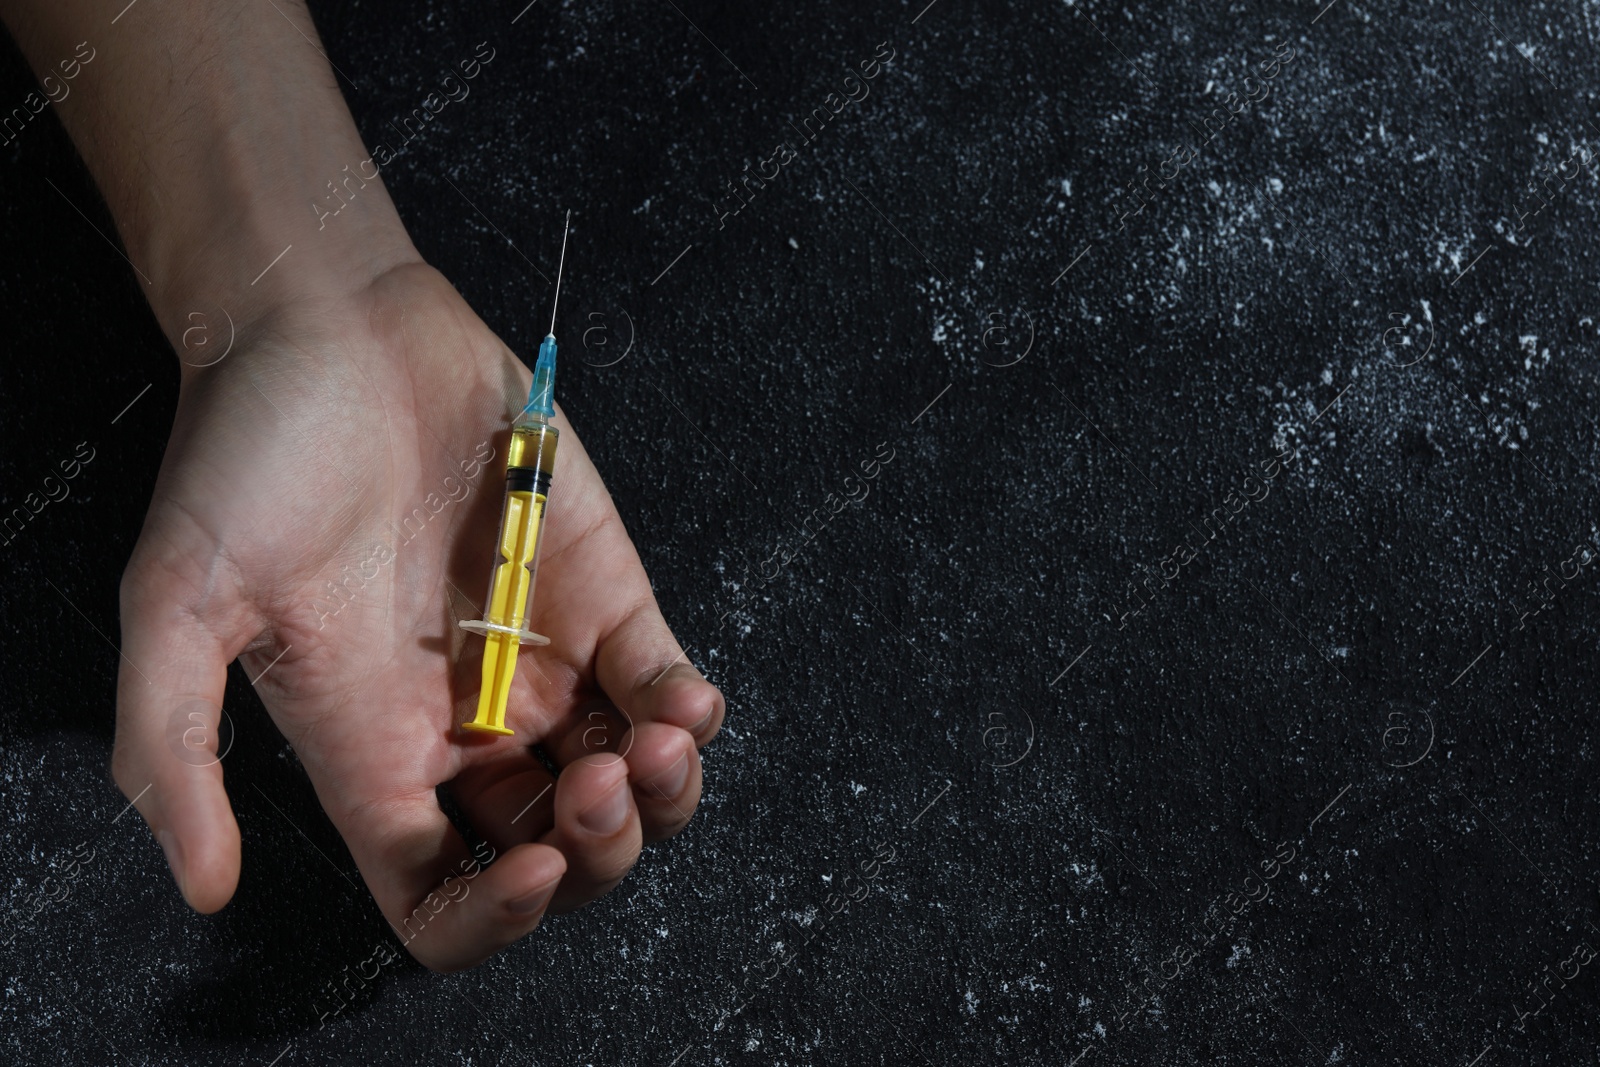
(212, 129)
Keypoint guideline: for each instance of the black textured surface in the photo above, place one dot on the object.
(952, 669)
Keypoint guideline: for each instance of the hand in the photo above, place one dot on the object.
(342, 423)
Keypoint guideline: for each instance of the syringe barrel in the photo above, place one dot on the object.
(530, 460)
(529, 463)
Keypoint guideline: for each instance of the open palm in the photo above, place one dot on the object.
(326, 513)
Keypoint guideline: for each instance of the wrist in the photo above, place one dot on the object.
(272, 216)
(212, 131)
(248, 249)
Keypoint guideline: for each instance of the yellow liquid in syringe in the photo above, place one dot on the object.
(529, 463)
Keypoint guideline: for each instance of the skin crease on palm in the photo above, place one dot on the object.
(290, 459)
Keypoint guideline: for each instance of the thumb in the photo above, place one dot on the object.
(167, 756)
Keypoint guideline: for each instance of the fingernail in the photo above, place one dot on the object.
(670, 782)
(606, 815)
(703, 723)
(529, 903)
(174, 851)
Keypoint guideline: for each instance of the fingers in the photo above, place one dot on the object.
(588, 813)
(449, 908)
(596, 828)
(671, 709)
(510, 801)
(166, 759)
(595, 726)
(663, 766)
(643, 670)
(664, 771)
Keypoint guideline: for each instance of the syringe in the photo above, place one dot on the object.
(529, 463)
